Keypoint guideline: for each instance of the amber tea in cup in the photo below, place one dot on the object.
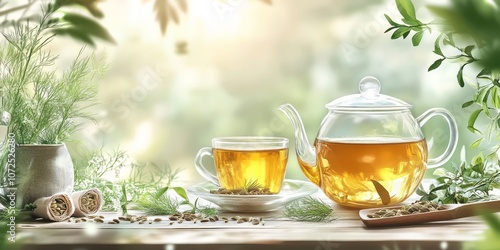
(246, 162)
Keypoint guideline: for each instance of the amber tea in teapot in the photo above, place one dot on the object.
(349, 168)
(370, 150)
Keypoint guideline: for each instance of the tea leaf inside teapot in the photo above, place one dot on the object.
(382, 192)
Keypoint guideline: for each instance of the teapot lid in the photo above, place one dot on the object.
(369, 98)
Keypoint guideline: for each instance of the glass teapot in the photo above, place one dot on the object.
(369, 151)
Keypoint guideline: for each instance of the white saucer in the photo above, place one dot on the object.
(291, 190)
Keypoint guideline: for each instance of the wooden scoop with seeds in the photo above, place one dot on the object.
(87, 202)
(57, 207)
(389, 216)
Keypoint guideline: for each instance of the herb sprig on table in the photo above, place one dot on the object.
(161, 203)
(309, 209)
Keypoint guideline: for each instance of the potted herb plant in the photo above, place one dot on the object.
(46, 106)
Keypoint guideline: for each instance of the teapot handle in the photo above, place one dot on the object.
(452, 144)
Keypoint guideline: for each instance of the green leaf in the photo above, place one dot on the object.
(481, 92)
(181, 192)
(467, 104)
(382, 192)
(435, 64)
(460, 76)
(74, 33)
(185, 202)
(472, 120)
(88, 26)
(448, 40)
(400, 32)
(496, 83)
(479, 168)
(440, 187)
(411, 22)
(391, 22)
(487, 110)
(495, 98)
(432, 197)
(437, 47)
(449, 199)
(406, 34)
(486, 94)
(484, 74)
(90, 5)
(160, 192)
(492, 220)
(420, 191)
(123, 199)
(195, 205)
(468, 50)
(417, 38)
(391, 28)
(406, 9)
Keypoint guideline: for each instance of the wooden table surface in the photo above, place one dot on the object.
(346, 232)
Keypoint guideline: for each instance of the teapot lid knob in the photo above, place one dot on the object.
(369, 99)
(369, 87)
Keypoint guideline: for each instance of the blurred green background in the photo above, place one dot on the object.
(228, 65)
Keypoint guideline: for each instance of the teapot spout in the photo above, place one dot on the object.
(306, 153)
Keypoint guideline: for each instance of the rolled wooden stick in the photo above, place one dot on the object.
(87, 202)
(57, 207)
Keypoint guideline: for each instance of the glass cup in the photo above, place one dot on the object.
(243, 162)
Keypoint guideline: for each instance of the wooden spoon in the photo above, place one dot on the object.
(452, 211)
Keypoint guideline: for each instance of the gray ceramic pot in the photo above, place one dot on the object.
(42, 170)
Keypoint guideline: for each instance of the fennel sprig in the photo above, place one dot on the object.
(309, 209)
